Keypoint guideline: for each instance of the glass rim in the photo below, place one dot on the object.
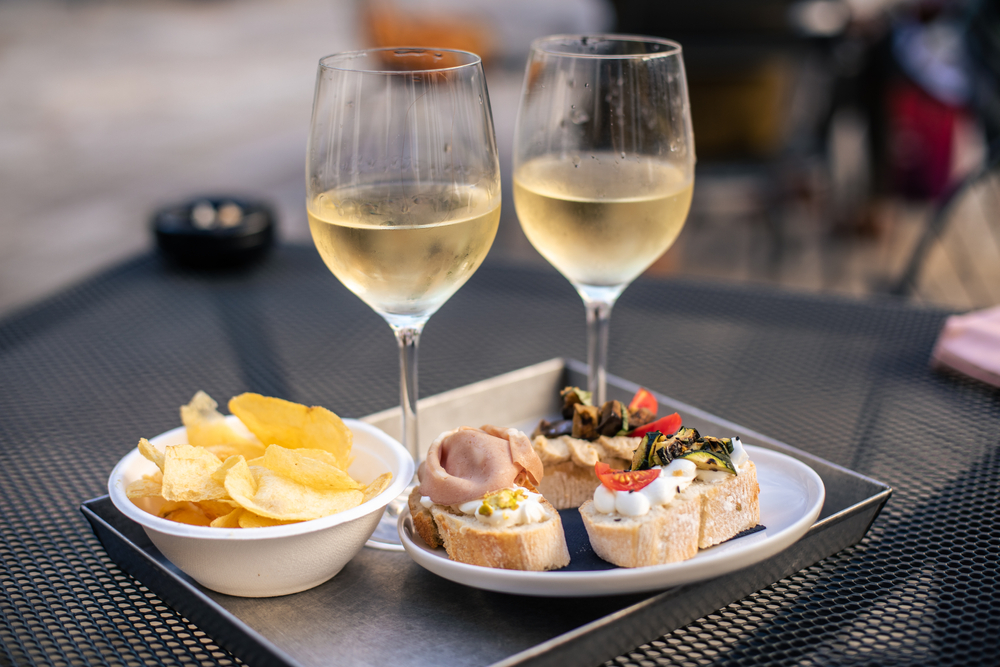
(327, 62)
(541, 44)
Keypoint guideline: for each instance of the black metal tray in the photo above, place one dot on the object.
(383, 609)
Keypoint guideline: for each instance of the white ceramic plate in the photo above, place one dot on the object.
(791, 496)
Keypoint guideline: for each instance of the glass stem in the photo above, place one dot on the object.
(598, 321)
(408, 338)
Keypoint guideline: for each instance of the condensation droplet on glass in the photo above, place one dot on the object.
(586, 85)
(576, 160)
(447, 147)
(480, 99)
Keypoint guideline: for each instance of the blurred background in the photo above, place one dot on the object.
(843, 145)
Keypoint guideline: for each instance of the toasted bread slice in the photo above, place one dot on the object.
(666, 534)
(423, 522)
(703, 515)
(728, 507)
(568, 464)
(535, 546)
(567, 485)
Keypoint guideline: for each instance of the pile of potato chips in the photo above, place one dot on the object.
(229, 479)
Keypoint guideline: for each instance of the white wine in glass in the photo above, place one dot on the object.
(603, 165)
(406, 255)
(403, 193)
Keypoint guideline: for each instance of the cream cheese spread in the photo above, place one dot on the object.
(674, 478)
(528, 509)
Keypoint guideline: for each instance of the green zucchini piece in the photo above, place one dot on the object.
(715, 445)
(659, 451)
(640, 457)
(680, 443)
(708, 460)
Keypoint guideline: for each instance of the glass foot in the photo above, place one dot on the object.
(386, 535)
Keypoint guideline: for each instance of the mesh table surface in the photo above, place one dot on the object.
(83, 375)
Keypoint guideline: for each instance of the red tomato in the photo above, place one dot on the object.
(666, 425)
(643, 399)
(624, 480)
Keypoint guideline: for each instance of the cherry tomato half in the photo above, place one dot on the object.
(666, 425)
(643, 399)
(624, 480)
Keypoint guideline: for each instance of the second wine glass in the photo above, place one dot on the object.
(603, 165)
(403, 193)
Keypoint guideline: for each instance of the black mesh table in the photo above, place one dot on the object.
(84, 374)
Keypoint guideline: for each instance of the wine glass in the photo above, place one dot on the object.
(403, 193)
(603, 165)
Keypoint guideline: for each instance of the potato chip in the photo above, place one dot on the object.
(268, 494)
(226, 478)
(187, 474)
(377, 486)
(151, 453)
(318, 454)
(220, 473)
(239, 482)
(231, 520)
(148, 487)
(250, 520)
(213, 509)
(278, 422)
(207, 427)
(184, 512)
(312, 467)
(251, 450)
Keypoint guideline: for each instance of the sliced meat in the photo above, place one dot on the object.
(469, 463)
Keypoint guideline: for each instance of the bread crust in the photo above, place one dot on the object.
(567, 485)
(702, 515)
(569, 479)
(536, 546)
(423, 522)
(728, 507)
(666, 534)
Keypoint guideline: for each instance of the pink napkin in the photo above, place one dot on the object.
(970, 344)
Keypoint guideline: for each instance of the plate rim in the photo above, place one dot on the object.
(619, 580)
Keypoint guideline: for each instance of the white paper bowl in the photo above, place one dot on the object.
(278, 560)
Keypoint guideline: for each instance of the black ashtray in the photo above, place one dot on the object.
(214, 232)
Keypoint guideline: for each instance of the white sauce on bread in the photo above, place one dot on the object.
(528, 509)
(674, 478)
